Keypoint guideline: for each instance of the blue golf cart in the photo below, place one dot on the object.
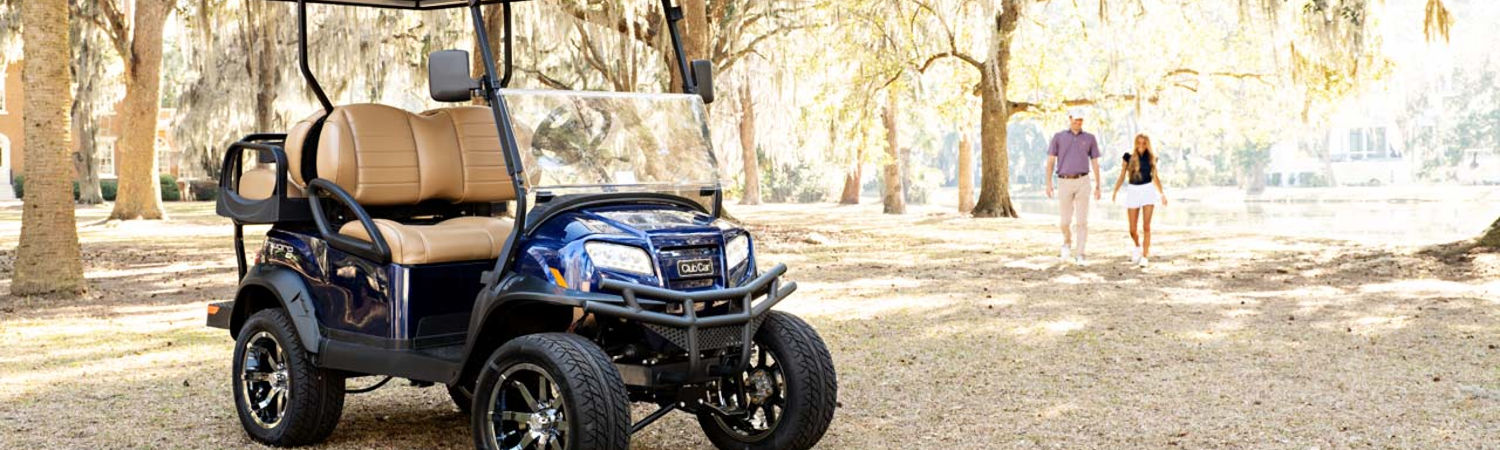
(551, 257)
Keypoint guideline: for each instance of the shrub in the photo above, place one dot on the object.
(797, 182)
(108, 188)
(204, 189)
(169, 191)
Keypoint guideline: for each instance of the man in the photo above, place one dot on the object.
(1072, 156)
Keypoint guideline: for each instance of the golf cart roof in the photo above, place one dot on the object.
(406, 4)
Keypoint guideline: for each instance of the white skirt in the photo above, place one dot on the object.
(1138, 195)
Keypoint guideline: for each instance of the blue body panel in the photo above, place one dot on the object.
(393, 305)
(403, 306)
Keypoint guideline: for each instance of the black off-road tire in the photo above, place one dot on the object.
(593, 394)
(811, 389)
(315, 396)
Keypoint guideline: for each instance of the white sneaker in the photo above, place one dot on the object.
(1065, 254)
(1142, 262)
(1135, 255)
(1080, 261)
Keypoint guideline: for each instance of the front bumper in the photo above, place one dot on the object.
(696, 329)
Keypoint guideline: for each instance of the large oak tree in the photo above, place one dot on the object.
(138, 40)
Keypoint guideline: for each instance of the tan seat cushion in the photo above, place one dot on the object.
(296, 140)
(457, 239)
(259, 183)
(388, 156)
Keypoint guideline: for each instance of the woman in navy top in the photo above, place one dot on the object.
(1142, 194)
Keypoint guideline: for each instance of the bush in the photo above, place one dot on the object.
(108, 188)
(204, 189)
(797, 182)
(169, 191)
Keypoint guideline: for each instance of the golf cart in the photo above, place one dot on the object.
(550, 257)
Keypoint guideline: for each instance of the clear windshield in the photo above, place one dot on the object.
(591, 142)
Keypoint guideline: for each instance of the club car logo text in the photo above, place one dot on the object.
(694, 267)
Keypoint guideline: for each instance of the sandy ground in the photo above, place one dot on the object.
(947, 332)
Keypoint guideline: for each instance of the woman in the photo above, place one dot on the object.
(1141, 196)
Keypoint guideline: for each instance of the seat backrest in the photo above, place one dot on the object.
(387, 156)
(296, 144)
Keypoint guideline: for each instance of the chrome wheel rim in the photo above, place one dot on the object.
(263, 380)
(526, 411)
(758, 394)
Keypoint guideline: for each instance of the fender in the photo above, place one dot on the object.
(291, 293)
(492, 304)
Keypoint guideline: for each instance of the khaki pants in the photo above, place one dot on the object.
(1073, 197)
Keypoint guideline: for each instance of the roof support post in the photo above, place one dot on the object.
(673, 15)
(312, 81)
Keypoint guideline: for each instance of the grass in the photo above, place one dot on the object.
(947, 332)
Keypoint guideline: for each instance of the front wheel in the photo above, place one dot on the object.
(550, 391)
(282, 398)
(786, 397)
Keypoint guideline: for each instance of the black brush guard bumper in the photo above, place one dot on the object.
(693, 326)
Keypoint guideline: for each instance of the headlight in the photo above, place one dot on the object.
(623, 258)
(736, 251)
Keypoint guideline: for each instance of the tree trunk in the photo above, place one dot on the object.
(965, 174)
(747, 147)
(995, 112)
(139, 195)
(696, 36)
(48, 259)
(852, 178)
(894, 201)
(267, 73)
(1491, 237)
(850, 195)
(87, 67)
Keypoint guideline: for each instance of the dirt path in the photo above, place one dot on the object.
(948, 332)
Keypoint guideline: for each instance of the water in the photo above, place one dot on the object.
(1412, 222)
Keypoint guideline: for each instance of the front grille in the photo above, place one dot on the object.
(672, 271)
(708, 338)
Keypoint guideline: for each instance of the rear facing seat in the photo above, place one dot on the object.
(385, 156)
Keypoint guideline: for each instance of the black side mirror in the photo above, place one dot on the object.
(448, 76)
(703, 78)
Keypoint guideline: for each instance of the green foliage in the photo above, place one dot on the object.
(204, 189)
(797, 182)
(108, 188)
(169, 191)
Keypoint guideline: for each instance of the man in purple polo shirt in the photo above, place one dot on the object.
(1072, 156)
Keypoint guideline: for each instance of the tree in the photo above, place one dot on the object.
(48, 259)
(965, 174)
(894, 198)
(747, 146)
(91, 92)
(139, 42)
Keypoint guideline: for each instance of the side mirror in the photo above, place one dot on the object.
(448, 76)
(703, 78)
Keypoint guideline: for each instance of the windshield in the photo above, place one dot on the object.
(590, 142)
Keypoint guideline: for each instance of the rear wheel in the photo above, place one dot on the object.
(550, 391)
(786, 397)
(282, 398)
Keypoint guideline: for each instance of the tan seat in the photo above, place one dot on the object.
(259, 183)
(385, 156)
(457, 239)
